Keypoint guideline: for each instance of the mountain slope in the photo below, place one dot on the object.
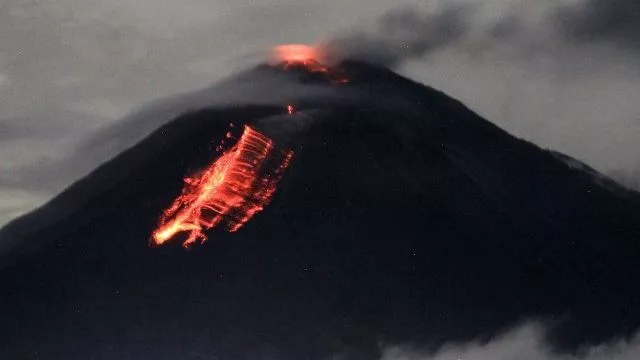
(404, 217)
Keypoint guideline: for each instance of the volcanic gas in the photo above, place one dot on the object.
(230, 191)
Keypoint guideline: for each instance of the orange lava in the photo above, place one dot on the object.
(309, 57)
(236, 186)
(296, 53)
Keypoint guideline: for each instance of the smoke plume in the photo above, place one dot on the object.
(402, 34)
(410, 32)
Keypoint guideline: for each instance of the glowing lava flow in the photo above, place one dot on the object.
(308, 57)
(231, 190)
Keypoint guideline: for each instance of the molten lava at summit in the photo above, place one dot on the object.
(236, 186)
(309, 58)
(296, 53)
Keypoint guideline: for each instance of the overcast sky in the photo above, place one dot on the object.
(563, 74)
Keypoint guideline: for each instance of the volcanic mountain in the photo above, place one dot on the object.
(403, 217)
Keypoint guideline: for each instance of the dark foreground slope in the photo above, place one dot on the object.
(403, 218)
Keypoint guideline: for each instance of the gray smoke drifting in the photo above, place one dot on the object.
(411, 32)
(404, 33)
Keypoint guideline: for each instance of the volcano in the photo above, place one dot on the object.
(403, 218)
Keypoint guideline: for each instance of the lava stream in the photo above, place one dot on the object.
(236, 186)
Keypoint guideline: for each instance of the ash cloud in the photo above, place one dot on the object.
(410, 32)
(404, 33)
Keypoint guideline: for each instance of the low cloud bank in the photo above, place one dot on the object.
(526, 342)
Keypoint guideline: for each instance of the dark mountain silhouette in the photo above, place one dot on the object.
(404, 217)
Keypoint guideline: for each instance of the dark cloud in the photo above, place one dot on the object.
(507, 27)
(408, 32)
(617, 21)
(404, 33)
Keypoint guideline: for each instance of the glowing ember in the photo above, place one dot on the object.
(296, 53)
(230, 191)
(309, 57)
(291, 109)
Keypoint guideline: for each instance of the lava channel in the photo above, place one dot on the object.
(229, 192)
